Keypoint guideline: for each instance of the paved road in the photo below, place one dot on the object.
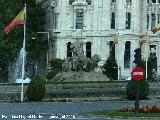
(56, 111)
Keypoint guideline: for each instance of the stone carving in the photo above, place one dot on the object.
(79, 62)
(80, 5)
(152, 8)
(77, 48)
(113, 7)
(129, 6)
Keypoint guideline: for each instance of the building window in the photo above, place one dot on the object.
(88, 49)
(128, 1)
(152, 51)
(154, 1)
(153, 21)
(158, 1)
(158, 18)
(113, 0)
(89, 2)
(79, 20)
(147, 21)
(113, 21)
(55, 19)
(128, 20)
(127, 55)
(69, 50)
(112, 49)
(71, 1)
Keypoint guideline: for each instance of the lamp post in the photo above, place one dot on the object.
(48, 44)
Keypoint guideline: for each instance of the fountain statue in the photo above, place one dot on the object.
(79, 67)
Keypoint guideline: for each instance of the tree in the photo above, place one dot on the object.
(110, 68)
(56, 67)
(143, 89)
(36, 89)
(151, 67)
(10, 44)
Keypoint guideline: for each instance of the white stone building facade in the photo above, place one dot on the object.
(97, 22)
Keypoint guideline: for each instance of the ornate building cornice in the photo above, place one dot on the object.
(129, 6)
(113, 7)
(153, 8)
(80, 5)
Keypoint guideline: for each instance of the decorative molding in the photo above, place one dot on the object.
(129, 7)
(113, 7)
(80, 5)
(153, 8)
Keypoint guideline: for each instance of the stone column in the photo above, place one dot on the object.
(120, 14)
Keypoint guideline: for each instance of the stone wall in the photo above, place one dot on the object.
(82, 91)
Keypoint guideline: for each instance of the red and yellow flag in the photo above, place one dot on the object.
(18, 20)
(156, 28)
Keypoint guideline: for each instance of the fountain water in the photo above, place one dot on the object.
(18, 69)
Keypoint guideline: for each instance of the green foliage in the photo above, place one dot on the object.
(56, 67)
(143, 87)
(35, 23)
(151, 67)
(110, 68)
(10, 44)
(36, 89)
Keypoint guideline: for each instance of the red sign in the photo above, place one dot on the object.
(137, 73)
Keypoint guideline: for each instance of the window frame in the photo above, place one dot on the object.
(79, 20)
(128, 20)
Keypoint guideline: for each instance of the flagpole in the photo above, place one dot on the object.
(117, 59)
(117, 41)
(23, 51)
(146, 50)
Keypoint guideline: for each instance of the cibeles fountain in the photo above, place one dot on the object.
(79, 68)
(18, 69)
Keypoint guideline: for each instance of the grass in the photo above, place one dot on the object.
(116, 113)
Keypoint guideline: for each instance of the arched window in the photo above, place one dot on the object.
(112, 49)
(71, 1)
(128, 20)
(88, 49)
(79, 20)
(89, 2)
(154, 1)
(128, 1)
(127, 54)
(69, 51)
(147, 21)
(113, 21)
(153, 20)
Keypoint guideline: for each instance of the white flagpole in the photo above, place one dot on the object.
(146, 50)
(23, 51)
(117, 59)
(116, 44)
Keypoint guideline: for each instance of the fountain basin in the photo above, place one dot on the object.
(27, 80)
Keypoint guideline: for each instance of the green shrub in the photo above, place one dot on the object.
(110, 68)
(56, 67)
(143, 89)
(36, 89)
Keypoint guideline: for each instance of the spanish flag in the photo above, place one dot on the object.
(156, 28)
(18, 20)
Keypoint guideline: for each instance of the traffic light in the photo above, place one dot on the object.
(137, 56)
